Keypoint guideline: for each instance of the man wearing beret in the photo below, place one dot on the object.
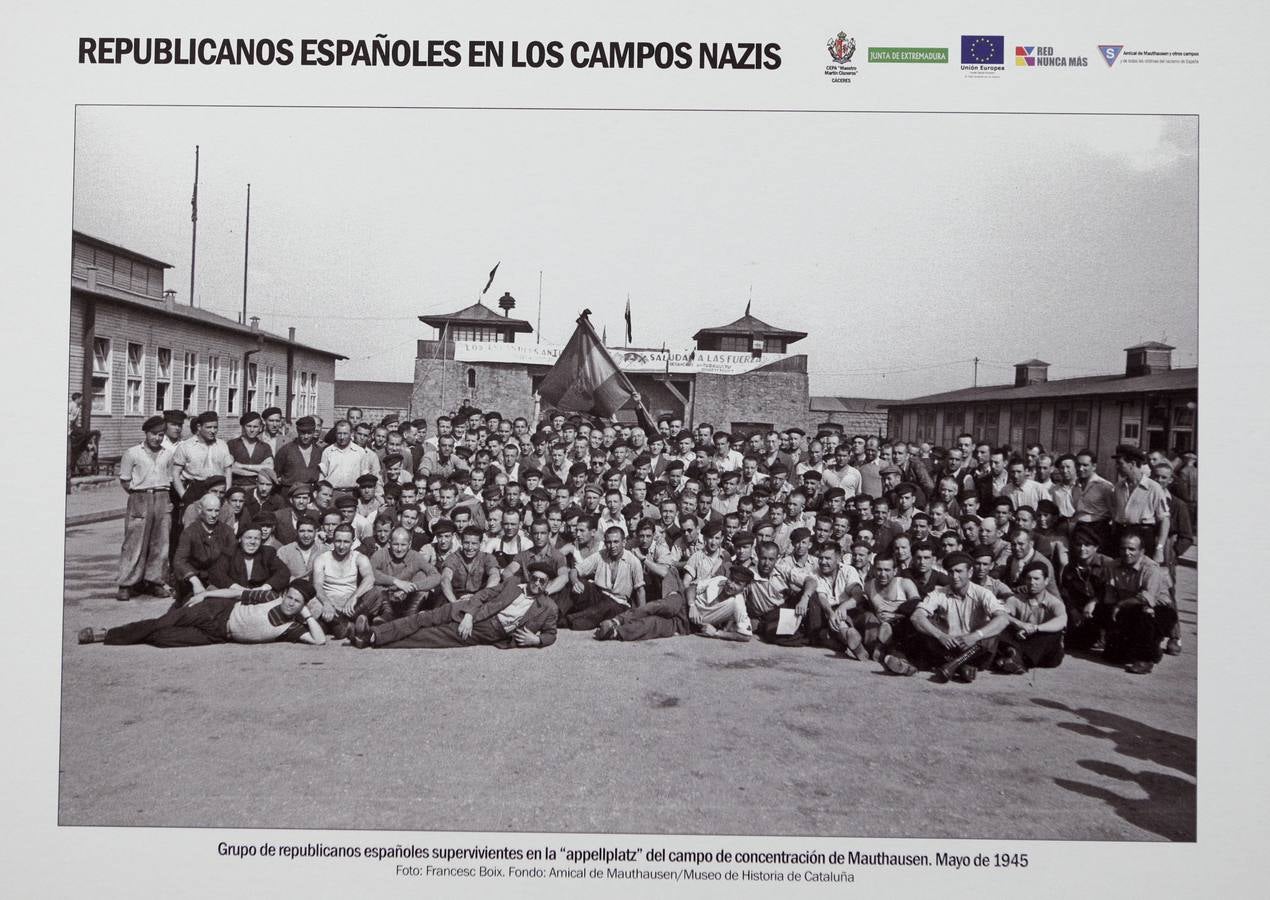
(299, 461)
(274, 434)
(249, 452)
(145, 472)
(514, 613)
(173, 421)
(237, 615)
(200, 458)
(955, 628)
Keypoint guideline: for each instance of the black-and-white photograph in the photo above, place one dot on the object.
(617, 471)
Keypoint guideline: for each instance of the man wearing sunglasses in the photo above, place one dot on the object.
(506, 615)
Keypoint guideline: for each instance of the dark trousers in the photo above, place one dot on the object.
(585, 611)
(660, 619)
(765, 625)
(184, 626)
(434, 629)
(927, 652)
(819, 633)
(658, 586)
(391, 603)
(1082, 630)
(1136, 633)
(1042, 650)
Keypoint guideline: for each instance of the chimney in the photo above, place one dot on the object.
(255, 323)
(291, 333)
(1031, 371)
(92, 277)
(1147, 358)
(169, 300)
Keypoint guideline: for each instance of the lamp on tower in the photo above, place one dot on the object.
(506, 303)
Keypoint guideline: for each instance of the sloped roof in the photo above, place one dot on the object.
(1033, 362)
(1097, 385)
(1150, 345)
(477, 314)
(189, 313)
(115, 248)
(848, 404)
(751, 325)
(392, 394)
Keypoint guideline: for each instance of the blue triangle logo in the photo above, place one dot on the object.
(1110, 53)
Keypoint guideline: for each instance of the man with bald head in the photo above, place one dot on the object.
(403, 578)
(203, 542)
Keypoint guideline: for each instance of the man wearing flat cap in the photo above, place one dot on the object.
(237, 615)
(249, 452)
(265, 496)
(299, 461)
(145, 472)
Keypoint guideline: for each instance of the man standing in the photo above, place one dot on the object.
(1022, 490)
(199, 459)
(146, 475)
(1093, 499)
(343, 462)
(274, 435)
(249, 452)
(299, 462)
(1142, 505)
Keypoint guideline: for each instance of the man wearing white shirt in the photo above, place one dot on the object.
(1022, 490)
(344, 462)
(842, 474)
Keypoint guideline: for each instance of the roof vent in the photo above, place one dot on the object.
(1032, 371)
(1147, 358)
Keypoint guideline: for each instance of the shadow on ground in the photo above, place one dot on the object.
(1168, 807)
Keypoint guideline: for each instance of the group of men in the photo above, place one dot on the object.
(495, 531)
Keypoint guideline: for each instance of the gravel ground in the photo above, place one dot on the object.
(684, 735)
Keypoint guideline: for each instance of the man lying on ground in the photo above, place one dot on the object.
(221, 616)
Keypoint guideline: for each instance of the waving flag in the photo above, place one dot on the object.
(585, 377)
(629, 339)
(491, 276)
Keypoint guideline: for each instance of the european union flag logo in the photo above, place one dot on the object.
(983, 49)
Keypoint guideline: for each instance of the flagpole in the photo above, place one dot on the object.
(194, 221)
(246, 252)
(538, 332)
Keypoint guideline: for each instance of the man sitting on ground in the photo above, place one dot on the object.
(955, 628)
(510, 614)
(1037, 619)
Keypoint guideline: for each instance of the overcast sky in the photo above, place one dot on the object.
(905, 244)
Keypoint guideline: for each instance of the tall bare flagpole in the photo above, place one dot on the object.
(194, 221)
(538, 331)
(246, 252)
